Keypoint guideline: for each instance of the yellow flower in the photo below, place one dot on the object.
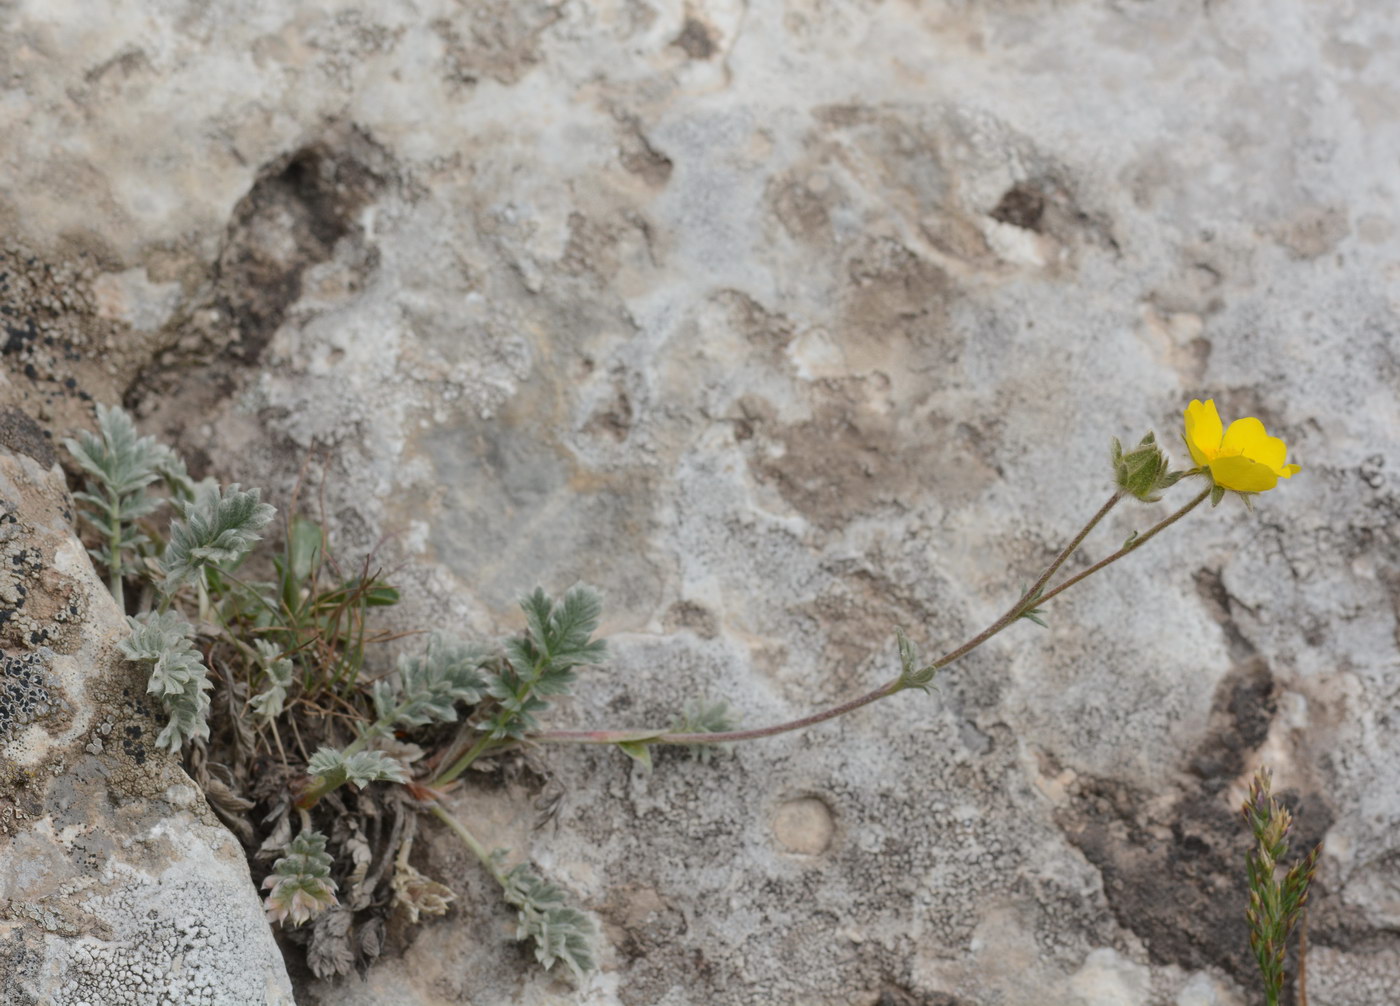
(1243, 458)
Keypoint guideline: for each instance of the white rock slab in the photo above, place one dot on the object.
(786, 323)
(117, 884)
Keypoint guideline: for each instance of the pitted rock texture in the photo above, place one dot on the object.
(117, 885)
(787, 322)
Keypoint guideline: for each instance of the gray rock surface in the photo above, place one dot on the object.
(117, 884)
(786, 323)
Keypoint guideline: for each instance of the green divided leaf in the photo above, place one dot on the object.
(560, 932)
(427, 688)
(163, 640)
(219, 528)
(541, 661)
(359, 769)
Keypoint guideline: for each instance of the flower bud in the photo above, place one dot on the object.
(1144, 470)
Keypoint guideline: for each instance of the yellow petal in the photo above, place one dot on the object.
(1203, 431)
(1272, 452)
(1288, 471)
(1243, 436)
(1247, 437)
(1236, 472)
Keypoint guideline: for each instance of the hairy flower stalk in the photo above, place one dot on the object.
(1033, 596)
(1243, 459)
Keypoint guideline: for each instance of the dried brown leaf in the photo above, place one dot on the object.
(230, 806)
(418, 895)
(369, 939)
(276, 843)
(330, 952)
(361, 856)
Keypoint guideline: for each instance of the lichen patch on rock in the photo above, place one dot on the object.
(112, 887)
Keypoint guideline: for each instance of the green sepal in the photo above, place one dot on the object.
(1217, 493)
(1143, 471)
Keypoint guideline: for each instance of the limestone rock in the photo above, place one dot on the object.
(787, 323)
(117, 884)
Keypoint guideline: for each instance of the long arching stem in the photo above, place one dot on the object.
(1032, 597)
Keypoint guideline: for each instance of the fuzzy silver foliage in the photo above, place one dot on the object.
(120, 466)
(300, 884)
(561, 932)
(426, 688)
(176, 476)
(269, 702)
(359, 769)
(219, 527)
(702, 717)
(541, 661)
(164, 641)
(117, 457)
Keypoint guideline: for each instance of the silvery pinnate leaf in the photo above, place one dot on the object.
(561, 933)
(359, 769)
(218, 527)
(189, 717)
(116, 456)
(300, 882)
(120, 465)
(278, 670)
(429, 686)
(163, 640)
